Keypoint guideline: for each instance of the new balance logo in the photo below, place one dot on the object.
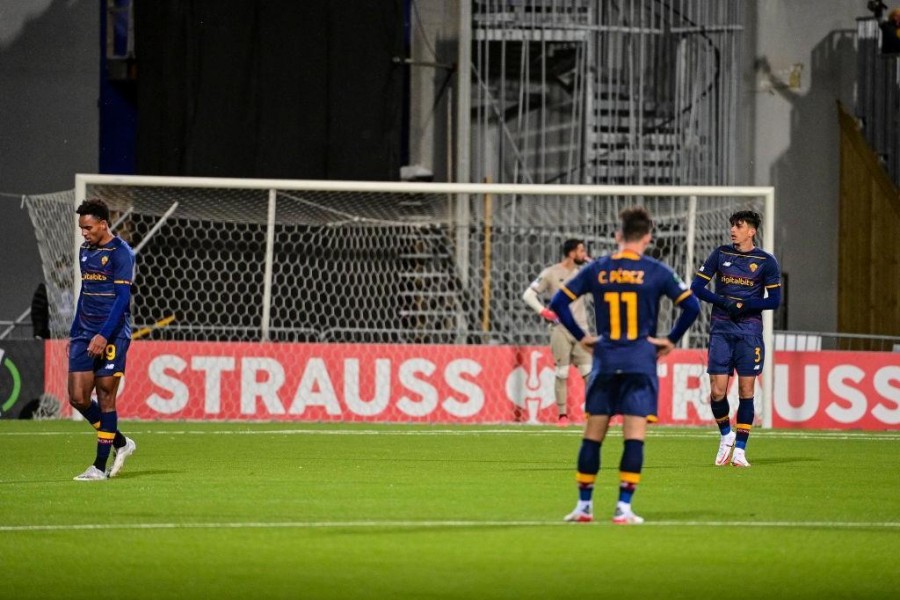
(756, 367)
(113, 366)
(726, 264)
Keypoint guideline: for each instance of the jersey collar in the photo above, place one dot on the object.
(627, 254)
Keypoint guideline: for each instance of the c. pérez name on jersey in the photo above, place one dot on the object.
(621, 276)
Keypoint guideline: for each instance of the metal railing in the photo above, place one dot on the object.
(878, 96)
(816, 340)
(20, 329)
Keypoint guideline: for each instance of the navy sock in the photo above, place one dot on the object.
(745, 416)
(105, 436)
(91, 414)
(720, 414)
(630, 469)
(588, 467)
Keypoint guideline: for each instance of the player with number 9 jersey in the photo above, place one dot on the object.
(107, 272)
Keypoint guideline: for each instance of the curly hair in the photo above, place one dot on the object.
(95, 207)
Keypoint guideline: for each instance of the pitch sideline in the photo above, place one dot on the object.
(440, 525)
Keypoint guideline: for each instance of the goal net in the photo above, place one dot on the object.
(231, 271)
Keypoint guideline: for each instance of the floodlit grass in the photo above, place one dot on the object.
(365, 511)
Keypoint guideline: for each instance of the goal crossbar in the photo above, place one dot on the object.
(461, 191)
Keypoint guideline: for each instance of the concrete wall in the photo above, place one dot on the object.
(793, 141)
(49, 60)
(435, 32)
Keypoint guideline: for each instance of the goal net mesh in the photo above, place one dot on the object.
(363, 267)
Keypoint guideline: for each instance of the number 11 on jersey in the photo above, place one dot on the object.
(615, 301)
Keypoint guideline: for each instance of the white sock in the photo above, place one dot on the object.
(584, 506)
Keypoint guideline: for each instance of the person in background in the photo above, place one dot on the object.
(889, 25)
(40, 313)
(566, 351)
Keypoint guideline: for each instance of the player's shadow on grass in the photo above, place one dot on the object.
(554, 467)
(692, 516)
(145, 473)
(784, 460)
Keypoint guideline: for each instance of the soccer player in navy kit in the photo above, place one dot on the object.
(743, 275)
(100, 335)
(626, 288)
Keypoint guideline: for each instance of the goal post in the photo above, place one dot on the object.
(346, 262)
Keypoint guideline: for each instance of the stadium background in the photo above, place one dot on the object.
(320, 92)
(50, 66)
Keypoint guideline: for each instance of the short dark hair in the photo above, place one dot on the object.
(95, 207)
(749, 217)
(636, 223)
(570, 245)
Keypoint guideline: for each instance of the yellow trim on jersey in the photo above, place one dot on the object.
(566, 291)
(123, 281)
(118, 374)
(629, 477)
(774, 285)
(683, 296)
(652, 418)
(699, 274)
(629, 254)
(106, 435)
(585, 478)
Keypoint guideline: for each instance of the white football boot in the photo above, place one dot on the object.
(625, 516)
(121, 454)
(92, 473)
(739, 459)
(725, 446)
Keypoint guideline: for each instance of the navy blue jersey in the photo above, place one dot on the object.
(740, 276)
(106, 275)
(627, 288)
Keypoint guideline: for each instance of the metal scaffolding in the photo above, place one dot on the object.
(605, 91)
(878, 96)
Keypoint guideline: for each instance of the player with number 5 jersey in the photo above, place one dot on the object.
(100, 335)
(627, 288)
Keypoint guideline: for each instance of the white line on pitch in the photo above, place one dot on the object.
(657, 433)
(440, 525)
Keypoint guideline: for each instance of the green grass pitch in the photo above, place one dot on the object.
(268, 510)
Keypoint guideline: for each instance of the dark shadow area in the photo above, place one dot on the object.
(273, 88)
(807, 190)
(48, 128)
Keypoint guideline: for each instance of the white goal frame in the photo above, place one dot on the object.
(461, 217)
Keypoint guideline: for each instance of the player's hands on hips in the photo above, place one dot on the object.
(97, 346)
(550, 315)
(663, 345)
(589, 341)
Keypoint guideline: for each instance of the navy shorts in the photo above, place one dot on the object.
(729, 352)
(110, 363)
(622, 394)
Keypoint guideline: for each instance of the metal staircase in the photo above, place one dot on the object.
(580, 91)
